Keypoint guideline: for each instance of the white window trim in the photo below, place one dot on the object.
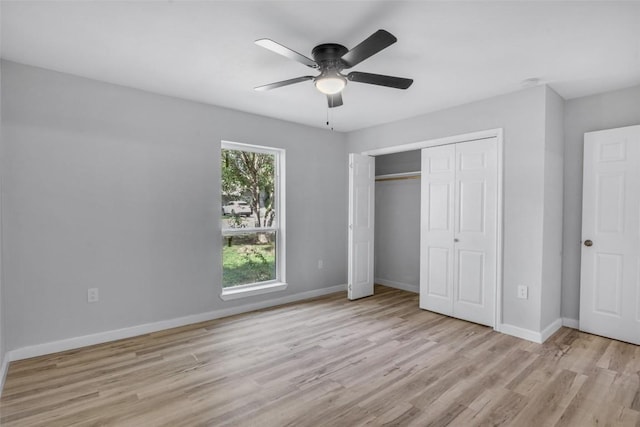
(244, 291)
(280, 284)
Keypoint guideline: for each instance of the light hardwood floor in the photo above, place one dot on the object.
(331, 362)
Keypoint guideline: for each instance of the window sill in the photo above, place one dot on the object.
(231, 294)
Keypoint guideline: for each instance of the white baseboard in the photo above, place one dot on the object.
(571, 323)
(528, 334)
(518, 332)
(4, 366)
(550, 330)
(398, 285)
(107, 336)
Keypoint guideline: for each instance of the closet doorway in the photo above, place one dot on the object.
(397, 219)
(459, 279)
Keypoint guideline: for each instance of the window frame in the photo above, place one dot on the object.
(278, 227)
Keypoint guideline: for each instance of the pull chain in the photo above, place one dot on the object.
(329, 126)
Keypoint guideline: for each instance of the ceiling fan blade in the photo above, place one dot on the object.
(372, 45)
(283, 83)
(334, 100)
(286, 52)
(380, 80)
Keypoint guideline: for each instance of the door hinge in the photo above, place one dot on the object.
(349, 286)
(351, 165)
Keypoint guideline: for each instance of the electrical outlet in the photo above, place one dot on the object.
(523, 292)
(320, 264)
(92, 295)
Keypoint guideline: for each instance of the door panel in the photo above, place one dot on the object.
(439, 214)
(610, 207)
(439, 162)
(608, 284)
(361, 225)
(471, 277)
(473, 161)
(609, 278)
(362, 255)
(362, 200)
(472, 206)
(614, 151)
(439, 277)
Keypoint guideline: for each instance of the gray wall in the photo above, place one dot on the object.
(552, 226)
(397, 242)
(522, 116)
(604, 111)
(2, 322)
(115, 188)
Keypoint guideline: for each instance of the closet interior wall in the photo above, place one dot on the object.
(397, 220)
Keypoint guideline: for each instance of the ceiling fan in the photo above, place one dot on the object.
(330, 59)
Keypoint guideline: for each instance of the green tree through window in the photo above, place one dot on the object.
(250, 175)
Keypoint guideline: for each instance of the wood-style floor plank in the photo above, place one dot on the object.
(331, 362)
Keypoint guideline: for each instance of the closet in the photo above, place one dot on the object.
(439, 233)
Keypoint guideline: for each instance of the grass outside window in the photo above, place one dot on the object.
(248, 258)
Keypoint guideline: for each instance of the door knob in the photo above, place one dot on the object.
(588, 243)
(456, 240)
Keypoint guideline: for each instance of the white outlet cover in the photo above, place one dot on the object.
(92, 295)
(522, 292)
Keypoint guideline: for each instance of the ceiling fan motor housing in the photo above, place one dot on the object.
(328, 56)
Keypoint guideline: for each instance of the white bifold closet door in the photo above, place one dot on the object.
(362, 170)
(458, 241)
(610, 268)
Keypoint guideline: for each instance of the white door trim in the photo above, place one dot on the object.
(472, 136)
(469, 137)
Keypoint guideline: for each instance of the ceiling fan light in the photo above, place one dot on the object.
(330, 85)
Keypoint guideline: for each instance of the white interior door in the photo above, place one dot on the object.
(610, 271)
(361, 225)
(458, 239)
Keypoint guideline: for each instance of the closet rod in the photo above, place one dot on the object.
(398, 176)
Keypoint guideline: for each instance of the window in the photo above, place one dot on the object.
(252, 184)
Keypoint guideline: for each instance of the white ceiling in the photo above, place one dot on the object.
(456, 52)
